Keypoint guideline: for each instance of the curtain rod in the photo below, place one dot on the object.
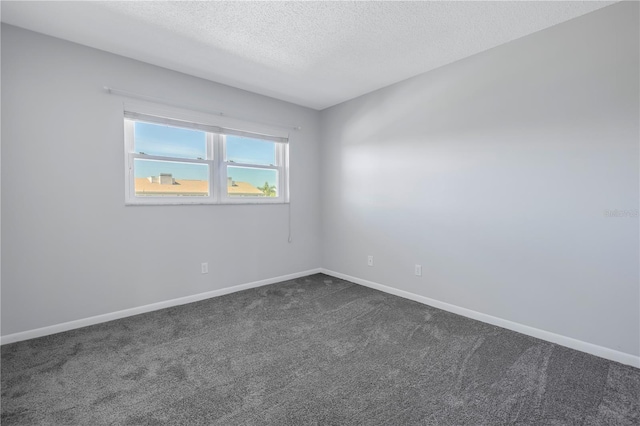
(114, 91)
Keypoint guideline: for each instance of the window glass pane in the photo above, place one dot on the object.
(168, 141)
(251, 182)
(250, 151)
(170, 179)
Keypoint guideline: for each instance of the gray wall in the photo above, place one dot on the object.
(70, 248)
(494, 173)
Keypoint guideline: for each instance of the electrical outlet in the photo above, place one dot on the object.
(370, 260)
(205, 268)
(418, 270)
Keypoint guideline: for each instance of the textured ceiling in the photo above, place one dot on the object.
(315, 54)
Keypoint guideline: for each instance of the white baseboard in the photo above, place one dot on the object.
(71, 325)
(569, 342)
(590, 348)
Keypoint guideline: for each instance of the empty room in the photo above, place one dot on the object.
(320, 213)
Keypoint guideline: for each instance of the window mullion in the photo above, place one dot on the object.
(212, 173)
(219, 167)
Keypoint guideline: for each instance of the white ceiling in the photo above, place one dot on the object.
(315, 54)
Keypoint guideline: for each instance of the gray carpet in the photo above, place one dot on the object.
(311, 351)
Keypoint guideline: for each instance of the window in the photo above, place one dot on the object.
(178, 161)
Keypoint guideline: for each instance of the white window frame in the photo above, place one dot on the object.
(216, 156)
(281, 160)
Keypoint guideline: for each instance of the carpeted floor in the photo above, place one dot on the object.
(312, 351)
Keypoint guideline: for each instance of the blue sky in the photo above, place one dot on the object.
(154, 139)
(161, 140)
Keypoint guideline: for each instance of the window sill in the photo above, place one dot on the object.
(182, 203)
